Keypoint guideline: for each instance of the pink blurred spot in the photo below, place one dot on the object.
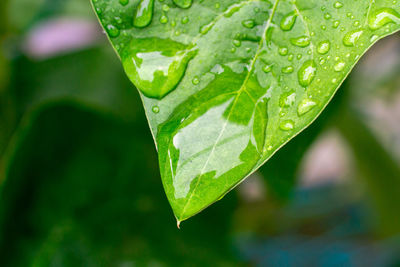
(59, 36)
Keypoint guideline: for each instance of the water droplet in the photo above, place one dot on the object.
(307, 73)
(324, 47)
(156, 66)
(124, 2)
(301, 41)
(305, 106)
(267, 68)
(339, 66)
(337, 4)
(144, 13)
(196, 80)
(237, 43)
(336, 24)
(163, 19)
(185, 20)
(155, 109)
(374, 38)
(183, 3)
(288, 69)
(383, 16)
(283, 51)
(288, 21)
(112, 31)
(287, 99)
(250, 23)
(287, 125)
(351, 38)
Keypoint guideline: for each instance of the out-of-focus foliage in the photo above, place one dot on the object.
(79, 182)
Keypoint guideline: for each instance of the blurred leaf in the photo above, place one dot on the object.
(69, 78)
(219, 97)
(377, 169)
(23, 14)
(84, 190)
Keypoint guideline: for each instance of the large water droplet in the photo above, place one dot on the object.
(306, 73)
(144, 13)
(156, 66)
(183, 3)
(383, 16)
(288, 21)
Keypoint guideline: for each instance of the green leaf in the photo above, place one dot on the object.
(226, 84)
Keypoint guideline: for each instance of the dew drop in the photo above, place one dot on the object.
(155, 109)
(183, 3)
(287, 99)
(337, 5)
(351, 38)
(267, 68)
(124, 2)
(287, 125)
(250, 23)
(195, 80)
(324, 47)
(305, 106)
(288, 69)
(283, 51)
(144, 13)
(302, 41)
(383, 16)
(339, 66)
(288, 21)
(307, 73)
(156, 66)
(112, 31)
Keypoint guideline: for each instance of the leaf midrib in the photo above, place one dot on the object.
(242, 88)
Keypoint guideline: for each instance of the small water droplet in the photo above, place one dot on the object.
(339, 66)
(283, 51)
(287, 125)
(124, 2)
(324, 47)
(112, 31)
(250, 23)
(305, 106)
(196, 80)
(301, 41)
(337, 5)
(351, 38)
(155, 109)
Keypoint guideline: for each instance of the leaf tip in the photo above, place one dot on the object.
(178, 224)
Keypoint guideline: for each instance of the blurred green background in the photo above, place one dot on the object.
(79, 180)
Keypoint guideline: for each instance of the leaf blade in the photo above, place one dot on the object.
(260, 73)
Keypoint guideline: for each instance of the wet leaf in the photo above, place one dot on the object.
(226, 84)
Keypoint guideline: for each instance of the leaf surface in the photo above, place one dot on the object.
(226, 84)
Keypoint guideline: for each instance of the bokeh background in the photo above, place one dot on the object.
(79, 180)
